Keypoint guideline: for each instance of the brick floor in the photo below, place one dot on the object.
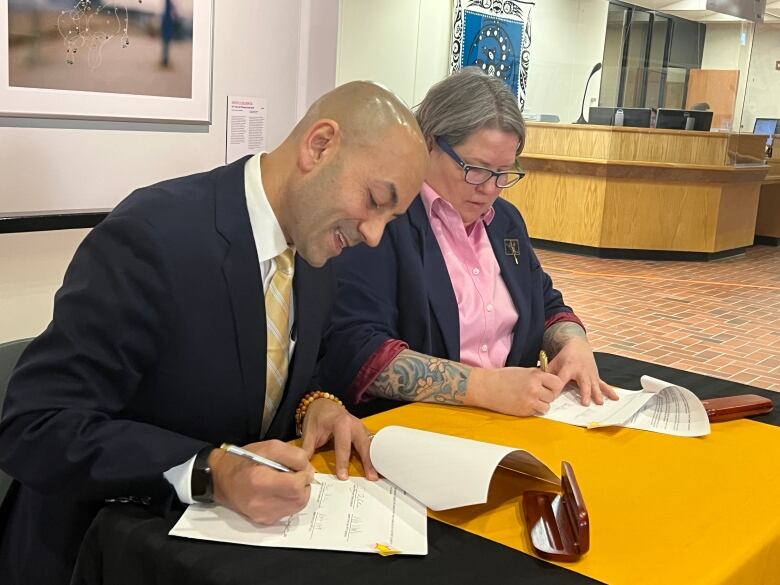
(719, 318)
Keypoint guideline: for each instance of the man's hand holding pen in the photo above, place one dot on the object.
(262, 494)
(277, 483)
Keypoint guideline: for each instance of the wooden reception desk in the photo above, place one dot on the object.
(768, 218)
(638, 192)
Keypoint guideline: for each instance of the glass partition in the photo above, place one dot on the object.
(667, 158)
(674, 94)
(635, 60)
(672, 72)
(760, 112)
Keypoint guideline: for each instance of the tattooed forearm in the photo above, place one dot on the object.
(556, 336)
(415, 377)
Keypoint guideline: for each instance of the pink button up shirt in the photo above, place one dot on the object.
(485, 309)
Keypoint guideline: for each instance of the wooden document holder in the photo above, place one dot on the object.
(558, 523)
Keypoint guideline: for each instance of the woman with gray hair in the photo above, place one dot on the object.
(453, 306)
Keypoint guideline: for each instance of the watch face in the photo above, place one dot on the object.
(201, 485)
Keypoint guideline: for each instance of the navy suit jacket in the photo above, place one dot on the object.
(156, 349)
(402, 290)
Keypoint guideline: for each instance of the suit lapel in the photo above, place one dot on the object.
(513, 275)
(441, 296)
(241, 270)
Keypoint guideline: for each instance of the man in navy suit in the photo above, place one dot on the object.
(453, 306)
(157, 349)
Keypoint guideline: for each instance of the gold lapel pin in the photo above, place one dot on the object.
(512, 248)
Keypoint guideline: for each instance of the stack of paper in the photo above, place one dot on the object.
(352, 515)
(659, 406)
(362, 516)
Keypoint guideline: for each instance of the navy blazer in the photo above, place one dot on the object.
(402, 290)
(157, 349)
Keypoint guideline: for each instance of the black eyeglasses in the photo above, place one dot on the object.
(479, 175)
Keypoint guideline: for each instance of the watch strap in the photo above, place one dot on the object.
(201, 483)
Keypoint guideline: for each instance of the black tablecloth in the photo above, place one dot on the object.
(127, 544)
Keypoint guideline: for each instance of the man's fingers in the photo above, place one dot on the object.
(362, 444)
(309, 442)
(276, 494)
(288, 455)
(342, 444)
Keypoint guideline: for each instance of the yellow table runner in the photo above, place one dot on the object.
(663, 509)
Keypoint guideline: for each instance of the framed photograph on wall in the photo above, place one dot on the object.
(494, 35)
(138, 60)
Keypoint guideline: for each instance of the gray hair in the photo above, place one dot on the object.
(464, 103)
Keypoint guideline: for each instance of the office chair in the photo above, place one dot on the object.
(9, 355)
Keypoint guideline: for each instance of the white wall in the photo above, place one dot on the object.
(52, 165)
(403, 44)
(567, 41)
(322, 46)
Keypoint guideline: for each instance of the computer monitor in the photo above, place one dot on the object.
(633, 117)
(678, 119)
(769, 126)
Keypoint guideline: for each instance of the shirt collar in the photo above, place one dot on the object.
(434, 203)
(266, 231)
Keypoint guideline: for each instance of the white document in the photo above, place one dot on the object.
(428, 469)
(445, 472)
(353, 515)
(246, 117)
(660, 407)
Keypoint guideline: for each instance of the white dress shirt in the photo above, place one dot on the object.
(269, 242)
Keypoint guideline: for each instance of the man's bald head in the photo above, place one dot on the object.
(364, 111)
(354, 162)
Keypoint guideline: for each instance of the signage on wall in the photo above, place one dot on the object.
(246, 117)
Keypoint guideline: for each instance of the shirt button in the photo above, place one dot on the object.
(489, 308)
(484, 347)
(475, 271)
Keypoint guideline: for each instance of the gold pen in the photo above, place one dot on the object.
(543, 360)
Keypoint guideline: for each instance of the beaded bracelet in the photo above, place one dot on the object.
(303, 406)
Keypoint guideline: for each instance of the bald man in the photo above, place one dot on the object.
(161, 343)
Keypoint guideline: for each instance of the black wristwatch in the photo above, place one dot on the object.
(201, 484)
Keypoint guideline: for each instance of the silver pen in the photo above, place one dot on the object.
(259, 459)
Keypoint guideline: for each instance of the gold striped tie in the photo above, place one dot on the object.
(277, 318)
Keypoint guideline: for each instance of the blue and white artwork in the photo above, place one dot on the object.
(495, 36)
(493, 44)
